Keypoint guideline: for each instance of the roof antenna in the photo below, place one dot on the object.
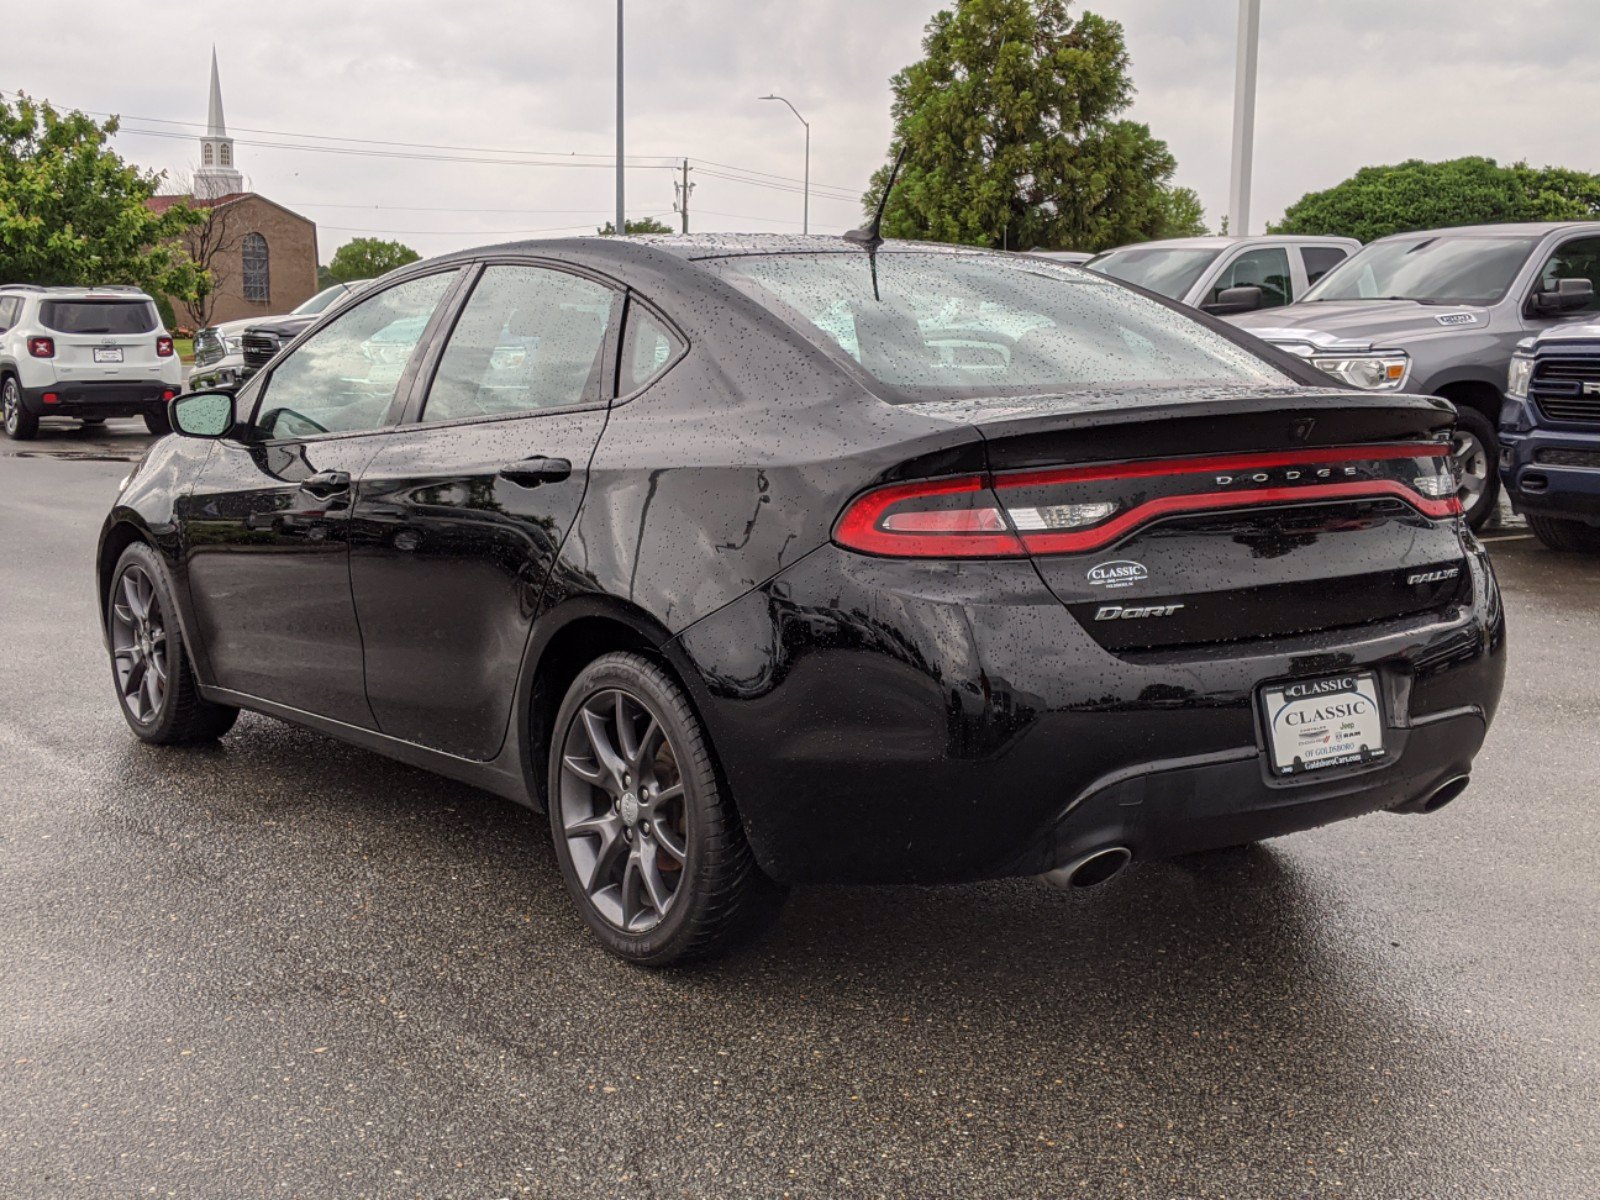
(868, 234)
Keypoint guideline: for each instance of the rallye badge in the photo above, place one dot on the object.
(1119, 574)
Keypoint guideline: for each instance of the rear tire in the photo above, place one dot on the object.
(156, 688)
(649, 844)
(20, 424)
(1559, 533)
(156, 421)
(1476, 448)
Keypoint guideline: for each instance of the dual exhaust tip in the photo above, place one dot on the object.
(1091, 870)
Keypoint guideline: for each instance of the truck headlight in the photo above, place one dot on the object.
(1384, 371)
(1517, 378)
(233, 345)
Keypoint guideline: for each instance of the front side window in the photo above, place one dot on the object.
(529, 338)
(1430, 268)
(980, 324)
(1161, 269)
(118, 317)
(1266, 268)
(1577, 259)
(257, 274)
(343, 377)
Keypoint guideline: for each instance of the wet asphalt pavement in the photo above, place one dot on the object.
(282, 967)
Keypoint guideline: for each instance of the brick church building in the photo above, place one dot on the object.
(262, 256)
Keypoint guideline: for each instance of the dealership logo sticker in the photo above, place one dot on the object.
(1119, 574)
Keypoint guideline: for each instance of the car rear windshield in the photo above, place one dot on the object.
(1162, 269)
(1433, 268)
(98, 316)
(932, 325)
(320, 301)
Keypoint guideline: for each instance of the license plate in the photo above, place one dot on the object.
(104, 354)
(1313, 724)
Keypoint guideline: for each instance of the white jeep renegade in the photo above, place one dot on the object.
(89, 353)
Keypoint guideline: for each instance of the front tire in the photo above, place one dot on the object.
(1561, 534)
(20, 424)
(649, 844)
(1475, 448)
(156, 688)
(156, 421)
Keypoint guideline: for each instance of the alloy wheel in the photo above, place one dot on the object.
(139, 644)
(622, 810)
(11, 401)
(1472, 468)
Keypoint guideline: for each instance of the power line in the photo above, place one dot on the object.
(477, 232)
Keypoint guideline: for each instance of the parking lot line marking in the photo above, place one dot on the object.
(1510, 537)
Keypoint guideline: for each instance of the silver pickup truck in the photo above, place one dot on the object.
(1440, 312)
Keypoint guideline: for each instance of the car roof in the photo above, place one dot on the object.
(1222, 241)
(1510, 229)
(108, 292)
(649, 247)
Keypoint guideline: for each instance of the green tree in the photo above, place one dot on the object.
(73, 213)
(1010, 124)
(367, 258)
(1378, 201)
(635, 225)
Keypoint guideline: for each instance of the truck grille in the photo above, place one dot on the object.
(1567, 389)
(259, 348)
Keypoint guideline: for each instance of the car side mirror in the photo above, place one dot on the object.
(1234, 300)
(202, 414)
(1569, 295)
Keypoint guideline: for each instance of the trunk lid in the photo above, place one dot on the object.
(103, 337)
(1166, 519)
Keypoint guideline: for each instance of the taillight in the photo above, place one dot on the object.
(1075, 510)
(42, 347)
(163, 347)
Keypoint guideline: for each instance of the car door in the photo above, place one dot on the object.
(460, 517)
(268, 518)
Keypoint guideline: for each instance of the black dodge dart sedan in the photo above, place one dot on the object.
(764, 561)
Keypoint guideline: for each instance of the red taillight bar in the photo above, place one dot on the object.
(983, 529)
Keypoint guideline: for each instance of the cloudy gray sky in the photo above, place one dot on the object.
(1343, 83)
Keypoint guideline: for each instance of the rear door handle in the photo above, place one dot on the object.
(326, 483)
(531, 472)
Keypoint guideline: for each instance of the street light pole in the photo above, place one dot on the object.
(1244, 117)
(622, 222)
(805, 222)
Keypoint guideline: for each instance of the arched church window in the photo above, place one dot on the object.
(257, 276)
(225, 153)
(205, 153)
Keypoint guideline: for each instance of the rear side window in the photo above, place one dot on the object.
(530, 338)
(933, 325)
(647, 347)
(99, 316)
(1320, 260)
(10, 306)
(1266, 268)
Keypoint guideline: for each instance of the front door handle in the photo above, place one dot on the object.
(326, 483)
(531, 472)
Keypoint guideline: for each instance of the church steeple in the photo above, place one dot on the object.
(217, 175)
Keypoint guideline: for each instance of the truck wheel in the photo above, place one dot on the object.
(1476, 451)
(20, 424)
(1560, 534)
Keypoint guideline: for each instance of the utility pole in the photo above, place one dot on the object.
(622, 220)
(683, 189)
(1244, 117)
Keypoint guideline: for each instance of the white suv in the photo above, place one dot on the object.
(89, 353)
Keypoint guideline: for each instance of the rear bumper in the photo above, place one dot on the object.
(906, 722)
(1538, 485)
(98, 398)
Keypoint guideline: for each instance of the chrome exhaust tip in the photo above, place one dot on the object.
(1091, 870)
(1443, 794)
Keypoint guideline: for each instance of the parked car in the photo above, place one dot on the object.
(716, 550)
(89, 353)
(1227, 274)
(1550, 436)
(219, 351)
(1440, 312)
(1075, 258)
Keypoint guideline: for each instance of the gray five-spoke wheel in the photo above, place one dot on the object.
(12, 404)
(622, 810)
(1472, 467)
(139, 644)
